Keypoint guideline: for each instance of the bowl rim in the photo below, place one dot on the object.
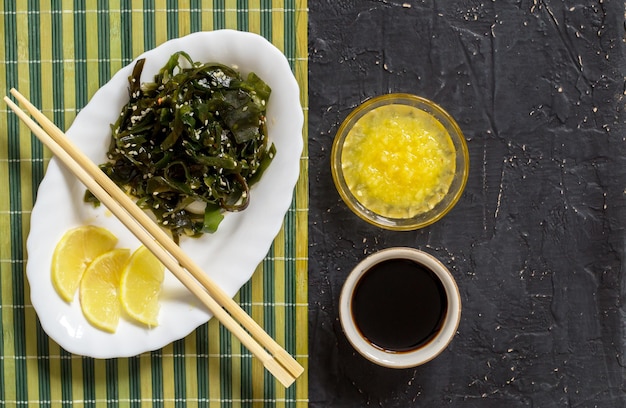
(422, 354)
(456, 135)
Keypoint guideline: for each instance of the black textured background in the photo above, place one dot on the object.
(537, 241)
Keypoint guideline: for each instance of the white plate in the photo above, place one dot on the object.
(229, 256)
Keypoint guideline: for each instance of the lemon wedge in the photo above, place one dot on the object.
(74, 252)
(140, 286)
(98, 292)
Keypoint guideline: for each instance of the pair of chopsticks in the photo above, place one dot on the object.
(275, 359)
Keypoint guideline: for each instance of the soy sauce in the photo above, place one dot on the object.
(399, 305)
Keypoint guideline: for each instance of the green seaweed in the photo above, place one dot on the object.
(197, 133)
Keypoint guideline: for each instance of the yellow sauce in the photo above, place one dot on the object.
(398, 161)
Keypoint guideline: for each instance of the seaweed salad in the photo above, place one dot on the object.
(189, 145)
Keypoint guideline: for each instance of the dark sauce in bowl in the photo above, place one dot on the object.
(399, 305)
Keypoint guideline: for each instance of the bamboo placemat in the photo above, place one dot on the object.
(58, 53)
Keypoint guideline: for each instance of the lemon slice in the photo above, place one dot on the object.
(140, 286)
(98, 289)
(73, 253)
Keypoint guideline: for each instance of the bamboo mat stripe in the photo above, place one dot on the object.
(59, 53)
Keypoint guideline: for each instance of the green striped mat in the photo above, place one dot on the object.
(58, 53)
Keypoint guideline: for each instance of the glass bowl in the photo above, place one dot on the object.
(399, 161)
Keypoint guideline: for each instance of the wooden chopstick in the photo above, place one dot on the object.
(280, 363)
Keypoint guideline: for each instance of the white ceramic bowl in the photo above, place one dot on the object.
(417, 356)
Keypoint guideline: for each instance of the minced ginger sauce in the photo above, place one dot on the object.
(398, 161)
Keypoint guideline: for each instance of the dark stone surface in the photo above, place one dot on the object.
(537, 241)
